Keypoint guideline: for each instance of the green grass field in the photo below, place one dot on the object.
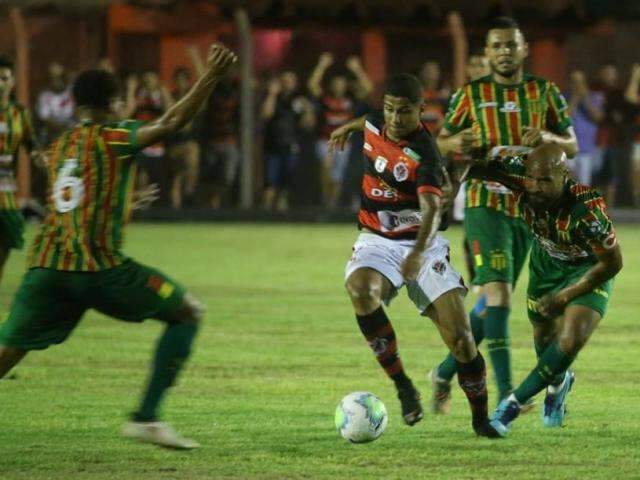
(279, 348)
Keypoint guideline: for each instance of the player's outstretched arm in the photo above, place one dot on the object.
(431, 209)
(608, 265)
(340, 135)
(218, 63)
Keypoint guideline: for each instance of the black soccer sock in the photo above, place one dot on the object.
(472, 377)
(173, 350)
(379, 333)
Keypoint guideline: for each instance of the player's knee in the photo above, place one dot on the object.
(498, 294)
(191, 312)
(463, 346)
(571, 344)
(363, 293)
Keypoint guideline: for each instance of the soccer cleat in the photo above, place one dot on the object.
(486, 430)
(506, 412)
(412, 411)
(440, 393)
(555, 404)
(158, 433)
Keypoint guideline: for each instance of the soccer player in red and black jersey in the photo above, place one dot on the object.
(402, 195)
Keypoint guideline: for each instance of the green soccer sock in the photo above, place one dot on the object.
(552, 363)
(540, 348)
(173, 350)
(496, 330)
(447, 369)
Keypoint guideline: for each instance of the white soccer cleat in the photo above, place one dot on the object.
(158, 433)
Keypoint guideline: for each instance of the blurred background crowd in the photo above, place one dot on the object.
(308, 80)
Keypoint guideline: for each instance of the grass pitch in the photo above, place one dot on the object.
(278, 350)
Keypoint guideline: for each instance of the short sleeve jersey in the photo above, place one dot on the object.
(575, 232)
(91, 174)
(394, 174)
(499, 113)
(15, 129)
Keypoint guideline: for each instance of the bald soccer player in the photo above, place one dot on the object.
(574, 257)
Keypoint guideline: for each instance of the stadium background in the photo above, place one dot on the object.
(280, 346)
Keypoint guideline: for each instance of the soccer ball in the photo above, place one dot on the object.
(361, 417)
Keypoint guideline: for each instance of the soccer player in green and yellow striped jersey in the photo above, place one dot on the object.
(76, 262)
(15, 131)
(508, 107)
(574, 258)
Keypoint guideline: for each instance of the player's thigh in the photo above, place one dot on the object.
(545, 278)
(133, 292)
(44, 311)
(491, 239)
(578, 324)
(375, 263)
(436, 277)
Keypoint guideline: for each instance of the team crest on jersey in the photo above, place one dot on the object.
(380, 164)
(439, 267)
(510, 107)
(401, 172)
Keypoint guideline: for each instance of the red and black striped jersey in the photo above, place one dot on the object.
(394, 174)
(336, 111)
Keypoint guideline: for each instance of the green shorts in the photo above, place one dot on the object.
(50, 303)
(498, 243)
(11, 229)
(548, 275)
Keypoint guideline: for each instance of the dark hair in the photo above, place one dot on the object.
(406, 86)
(5, 62)
(95, 89)
(503, 23)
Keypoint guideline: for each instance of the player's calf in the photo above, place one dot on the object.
(9, 358)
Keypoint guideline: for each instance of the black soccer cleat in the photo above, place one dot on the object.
(484, 429)
(412, 411)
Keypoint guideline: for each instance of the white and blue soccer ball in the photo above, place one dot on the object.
(361, 417)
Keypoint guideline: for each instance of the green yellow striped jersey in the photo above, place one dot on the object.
(499, 113)
(575, 231)
(91, 176)
(15, 130)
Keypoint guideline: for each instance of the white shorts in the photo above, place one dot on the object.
(436, 277)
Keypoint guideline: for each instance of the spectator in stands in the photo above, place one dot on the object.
(147, 100)
(336, 107)
(611, 133)
(632, 95)
(477, 66)
(55, 106)
(586, 108)
(436, 96)
(183, 150)
(285, 113)
(219, 125)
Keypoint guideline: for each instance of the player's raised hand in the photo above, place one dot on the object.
(411, 266)
(145, 197)
(220, 59)
(325, 60)
(353, 63)
(532, 137)
(339, 138)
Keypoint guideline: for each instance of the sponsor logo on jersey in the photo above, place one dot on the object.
(498, 260)
(380, 164)
(510, 107)
(401, 171)
(487, 104)
(397, 221)
(411, 154)
(384, 193)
